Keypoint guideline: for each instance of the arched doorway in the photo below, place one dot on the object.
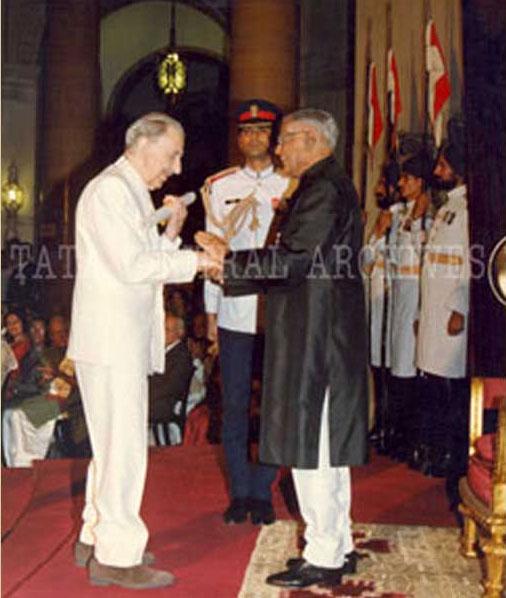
(202, 110)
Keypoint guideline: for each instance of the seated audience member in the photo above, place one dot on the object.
(199, 326)
(165, 390)
(29, 418)
(46, 385)
(15, 334)
(177, 303)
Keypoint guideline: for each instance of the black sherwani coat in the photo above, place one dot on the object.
(316, 323)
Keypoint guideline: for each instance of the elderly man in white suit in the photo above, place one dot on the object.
(117, 339)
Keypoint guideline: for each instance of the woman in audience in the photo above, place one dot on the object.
(16, 335)
(19, 342)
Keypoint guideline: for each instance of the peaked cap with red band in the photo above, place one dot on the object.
(257, 111)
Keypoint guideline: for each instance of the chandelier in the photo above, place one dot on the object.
(171, 75)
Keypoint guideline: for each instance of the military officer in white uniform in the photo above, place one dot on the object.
(240, 205)
(442, 335)
(378, 266)
(414, 222)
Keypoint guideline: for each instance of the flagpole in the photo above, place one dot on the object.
(365, 157)
(388, 93)
(426, 91)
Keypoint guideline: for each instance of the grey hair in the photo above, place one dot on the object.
(151, 126)
(319, 119)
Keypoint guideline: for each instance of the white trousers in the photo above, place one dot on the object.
(22, 441)
(324, 496)
(115, 401)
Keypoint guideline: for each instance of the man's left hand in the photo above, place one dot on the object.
(177, 217)
(456, 323)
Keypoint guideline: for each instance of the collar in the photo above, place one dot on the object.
(457, 194)
(124, 163)
(257, 175)
(172, 346)
(318, 167)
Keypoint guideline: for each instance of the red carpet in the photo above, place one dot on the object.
(185, 495)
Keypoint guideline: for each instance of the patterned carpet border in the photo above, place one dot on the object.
(396, 562)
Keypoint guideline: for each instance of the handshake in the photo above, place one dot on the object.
(212, 258)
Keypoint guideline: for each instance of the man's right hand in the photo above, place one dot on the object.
(210, 266)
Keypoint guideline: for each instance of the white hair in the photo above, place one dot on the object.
(151, 126)
(319, 119)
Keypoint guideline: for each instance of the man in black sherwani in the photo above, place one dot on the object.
(314, 406)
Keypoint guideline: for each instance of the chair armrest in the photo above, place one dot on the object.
(499, 475)
(476, 413)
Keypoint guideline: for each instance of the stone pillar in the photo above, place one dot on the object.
(327, 65)
(70, 107)
(264, 42)
(70, 110)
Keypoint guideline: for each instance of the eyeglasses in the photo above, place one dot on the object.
(282, 139)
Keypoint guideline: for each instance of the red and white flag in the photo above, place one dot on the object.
(439, 81)
(375, 123)
(394, 90)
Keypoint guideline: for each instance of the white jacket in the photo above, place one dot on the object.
(406, 257)
(445, 288)
(117, 307)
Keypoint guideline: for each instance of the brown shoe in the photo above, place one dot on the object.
(83, 553)
(138, 577)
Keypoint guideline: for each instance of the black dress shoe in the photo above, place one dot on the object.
(261, 511)
(237, 511)
(305, 575)
(440, 466)
(349, 566)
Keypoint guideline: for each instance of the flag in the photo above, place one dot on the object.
(439, 83)
(375, 122)
(394, 90)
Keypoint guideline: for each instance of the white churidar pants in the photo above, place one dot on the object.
(115, 401)
(22, 441)
(324, 496)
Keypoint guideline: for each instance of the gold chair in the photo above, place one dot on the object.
(483, 490)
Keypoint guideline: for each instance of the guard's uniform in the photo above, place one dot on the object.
(379, 288)
(440, 357)
(240, 207)
(226, 191)
(445, 288)
(406, 255)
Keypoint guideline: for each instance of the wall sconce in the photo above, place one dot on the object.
(13, 198)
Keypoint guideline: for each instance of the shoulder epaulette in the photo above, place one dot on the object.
(222, 173)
